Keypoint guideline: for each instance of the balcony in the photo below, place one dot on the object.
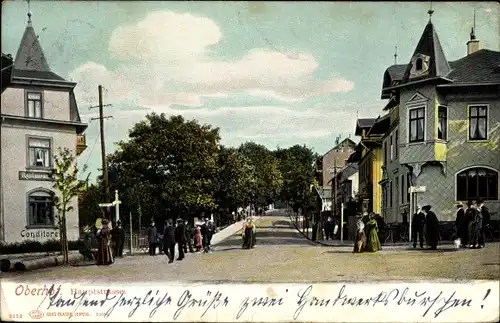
(81, 144)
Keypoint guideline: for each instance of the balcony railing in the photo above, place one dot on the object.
(81, 144)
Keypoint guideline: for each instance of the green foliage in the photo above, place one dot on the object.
(68, 186)
(169, 164)
(235, 179)
(297, 164)
(31, 246)
(88, 205)
(268, 179)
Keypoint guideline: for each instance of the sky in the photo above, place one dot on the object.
(277, 73)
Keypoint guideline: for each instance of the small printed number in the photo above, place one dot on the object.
(15, 316)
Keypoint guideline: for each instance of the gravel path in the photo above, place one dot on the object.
(283, 255)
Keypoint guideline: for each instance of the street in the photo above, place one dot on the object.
(282, 254)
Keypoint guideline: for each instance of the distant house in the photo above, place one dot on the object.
(39, 114)
(368, 156)
(443, 129)
(330, 163)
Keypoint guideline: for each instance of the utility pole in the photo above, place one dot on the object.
(334, 190)
(103, 147)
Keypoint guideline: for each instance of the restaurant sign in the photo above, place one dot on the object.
(35, 176)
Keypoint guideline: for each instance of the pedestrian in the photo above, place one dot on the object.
(485, 222)
(381, 227)
(207, 231)
(372, 241)
(329, 228)
(418, 224)
(248, 234)
(360, 240)
(432, 225)
(169, 240)
(197, 239)
(118, 235)
(189, 238)
(477, 224)
(460, 224)
(152, 238)
(180, 238)
(104, 256)
(470, 215)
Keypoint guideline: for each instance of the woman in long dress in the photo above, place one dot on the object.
(432, 227)
(248, 235)
(359, 243)
(197, 239)
(104, 256)
(372, 241)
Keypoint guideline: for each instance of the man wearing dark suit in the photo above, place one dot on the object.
(180, 238)
(169, 241)
(417, 224)
(485, 223)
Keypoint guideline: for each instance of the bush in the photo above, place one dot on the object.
(30, 246)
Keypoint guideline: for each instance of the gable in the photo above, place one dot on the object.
(417, 97)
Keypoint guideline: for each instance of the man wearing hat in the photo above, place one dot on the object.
(207, 231)
(180, 238)
(118, 237)
(460, 225)
(152, 238)
(432, 224)
(169, 240)
(485, 223)
(417, 224)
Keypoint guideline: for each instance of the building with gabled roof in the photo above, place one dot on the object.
(39, 114)
(443, 131)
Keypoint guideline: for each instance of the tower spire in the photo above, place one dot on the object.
(473, 29)
(29, 12)
(430, 12)
(396, 55)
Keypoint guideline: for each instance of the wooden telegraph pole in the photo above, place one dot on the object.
(334, 190)
(103, 145)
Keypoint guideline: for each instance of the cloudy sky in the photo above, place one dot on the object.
(274, 73)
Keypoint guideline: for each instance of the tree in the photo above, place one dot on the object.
(268, 178)
(88, 205)
(174, 160)
(235, 178)
(297, 164)
(65, 175)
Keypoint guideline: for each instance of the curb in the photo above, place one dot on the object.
(305, 236)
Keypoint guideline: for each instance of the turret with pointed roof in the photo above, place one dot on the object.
(429, 48)
(30, 61)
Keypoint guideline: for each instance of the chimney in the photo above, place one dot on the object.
(473, 43)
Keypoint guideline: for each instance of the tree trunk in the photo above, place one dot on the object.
(64, 239)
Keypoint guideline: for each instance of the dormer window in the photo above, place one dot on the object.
(34, 105)
(418, 64)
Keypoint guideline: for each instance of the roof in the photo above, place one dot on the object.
(381, 126)
(30, 59)
(347, 141)
(482, 66)
(430, 45)
(363, 124)
(7, 65)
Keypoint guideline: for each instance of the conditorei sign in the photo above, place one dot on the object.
(35, 176)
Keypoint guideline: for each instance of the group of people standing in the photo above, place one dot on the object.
(472, 224)
(182, 235)
(367, 234)
(425, 223)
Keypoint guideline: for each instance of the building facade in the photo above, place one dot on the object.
(39, 114)
(368, 156)
(328, 165)
(444, 130)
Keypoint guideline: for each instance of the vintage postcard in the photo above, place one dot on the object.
(234, 161)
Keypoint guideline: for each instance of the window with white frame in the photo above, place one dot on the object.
(416, 124)
(442, 123)
(478, 122)
(34, 102)
(39, 152)
(40, 208)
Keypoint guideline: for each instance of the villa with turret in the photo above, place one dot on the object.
(441, 130)
(38, 115)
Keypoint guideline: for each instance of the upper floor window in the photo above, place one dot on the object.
(477, 183)
(40, 208)
(478, 122)
(417, 124)
(442, 123)
(39, 152)
(34, 102)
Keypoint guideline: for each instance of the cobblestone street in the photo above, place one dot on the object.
(283, 255)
